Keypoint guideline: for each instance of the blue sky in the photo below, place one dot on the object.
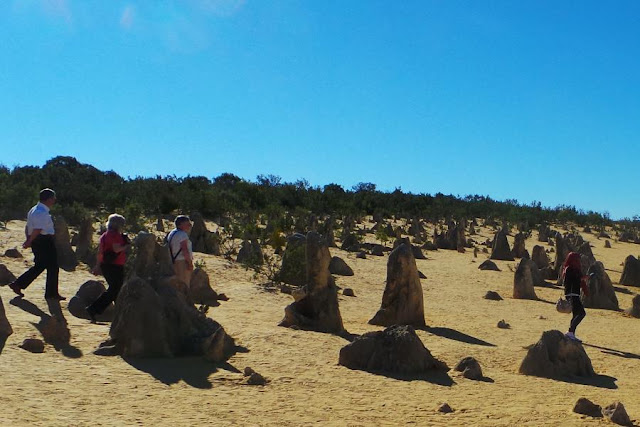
(527, 100)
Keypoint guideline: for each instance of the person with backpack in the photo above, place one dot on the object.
(180, 248)
(112, 257)
(574, 281)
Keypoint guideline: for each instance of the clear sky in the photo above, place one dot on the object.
(527, 100)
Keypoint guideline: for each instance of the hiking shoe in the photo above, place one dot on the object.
(572, 337)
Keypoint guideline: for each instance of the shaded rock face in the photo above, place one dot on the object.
(13, 253)
(543, 233)
(526, 277)
(607, 244)
(339, 266)
(493, 296)
(501, 249)
(488, 265)
(316, 306)
(601, 292)
(351, 243)
(555, 356)
(294, 264)
(631, 272)
(397, 349)
(470, 368)
(250, 253)
(635, 307)
(587, 259)
(153, 319)
(519, 250)
(402, 300)
(151, 260)
(84, 250)
(88, 293)
(616, 413)
(66, 257)
(33, 345)
(377, 250)
(539, 256)
(453, 238)
(200, 291)
(586, 407)
(6, 276)
(203, 240)
(5, 326)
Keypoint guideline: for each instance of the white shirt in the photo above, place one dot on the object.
(39, 217)
(175, 239)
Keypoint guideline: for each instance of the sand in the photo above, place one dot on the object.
(72, 386)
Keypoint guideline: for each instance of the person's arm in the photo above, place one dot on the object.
(35, 233)
(187, 255)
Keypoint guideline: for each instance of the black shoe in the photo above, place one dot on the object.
(15, 288)
(55, 297)
(92, 314)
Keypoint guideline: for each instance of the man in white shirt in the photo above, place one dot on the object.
(180, 248)
(39, 234)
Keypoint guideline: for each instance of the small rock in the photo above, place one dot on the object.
(586, 407)
(286, 289)
(445, 408)
(34, 345)
(617, 414)
(248, 371)
(12, 253)
(503, 325)
(348, 292)
(541, 317)
(607, 244)
(492, 295)
(488, 265)
(256, 379)
(361, 255)
(470, 368)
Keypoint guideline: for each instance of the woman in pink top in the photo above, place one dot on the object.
(111, 259)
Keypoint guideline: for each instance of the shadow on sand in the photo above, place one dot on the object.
(614, 352)
(53, 327)
(452, 334)
(434, 377)
(600, 381)
(194, 371)
(3, 341)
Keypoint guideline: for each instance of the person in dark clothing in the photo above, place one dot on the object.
(573, 282)
(111, 259)
(39, 233)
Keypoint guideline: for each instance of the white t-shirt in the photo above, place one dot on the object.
(175, 239)
(39, 217)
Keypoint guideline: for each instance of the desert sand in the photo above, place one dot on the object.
(306, 385)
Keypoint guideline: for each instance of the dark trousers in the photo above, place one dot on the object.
(46, 258)
(114, 275)
(578, 313)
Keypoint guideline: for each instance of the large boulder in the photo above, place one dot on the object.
(601, 291)
(543, 233)
(5, 326)
(84, 246)
(294, 265)
(631, 272)
(519, 249)
(526, 277)
(470, 368)
(66, 257)
(202, 239)
(402, 300)
(540, 257)
(501, 249)
(86, 295)
(556, 356)
(397, 349)
(6, 276)
(200, 291)
(316, 305)
(250, 253)
(635, 307)
(153, 319)
(350, 243)
(587, 259)
(586, 407)
(150, 259)
(339, 267)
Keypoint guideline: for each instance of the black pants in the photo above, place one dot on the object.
(114, 275)
(578, 313)
(46, 258)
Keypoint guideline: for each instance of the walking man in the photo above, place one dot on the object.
(39, 234)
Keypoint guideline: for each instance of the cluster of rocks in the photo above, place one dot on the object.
(615, 412)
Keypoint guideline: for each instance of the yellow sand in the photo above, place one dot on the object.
(307, 386)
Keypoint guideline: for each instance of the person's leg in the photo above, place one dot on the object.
(53, 270)
(40, 264)
(114, 275)
(578, 314)
(180, 267)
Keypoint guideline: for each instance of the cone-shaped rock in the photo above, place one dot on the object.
(250, 253)
(601, 292)
(635, 307)
(5, 326)
(340, 267)
(397, 349)
(501, 249)
(316, 306)
(66, 257)
(151, 260)
(84, 250)
(203, 240)
(526, 277)
(294, 264)
(200, 291)
(519, 250)
(6, 276)
(631, 272)
(539, 256)
(402, 300)
(556, 356)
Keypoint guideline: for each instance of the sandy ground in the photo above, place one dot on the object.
(72, 386)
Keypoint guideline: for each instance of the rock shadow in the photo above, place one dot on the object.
(53, 327)
(619, 353)
(434, 377)
(194, 371)
(452, 334)
(600, 381)
(622, 290)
